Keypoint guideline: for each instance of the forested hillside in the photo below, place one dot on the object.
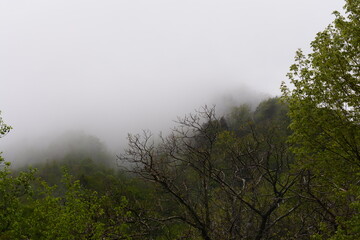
(287, 169)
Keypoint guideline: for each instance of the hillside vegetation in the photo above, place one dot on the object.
(288, 169)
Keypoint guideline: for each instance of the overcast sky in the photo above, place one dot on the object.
(109, 67)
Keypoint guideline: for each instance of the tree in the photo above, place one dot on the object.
(13, 189)
(78, 214)
(31, 209)
(4, 129)
(226, 185)
(324, 105)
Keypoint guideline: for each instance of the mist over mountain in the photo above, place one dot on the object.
(165, 119)
(102, 145)
(74, 144)
(114, 67)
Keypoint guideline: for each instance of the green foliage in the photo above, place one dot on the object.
(14, 191)
(92, 175)
(4, 129)
(31, 210)
(228, 178)
(272, 110)
(239, 117)
(325, 118)
(79, 214)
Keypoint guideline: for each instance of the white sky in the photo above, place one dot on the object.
(109, 67)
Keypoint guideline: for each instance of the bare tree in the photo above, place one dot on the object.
(225, 186)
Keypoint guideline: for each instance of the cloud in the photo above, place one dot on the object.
(112, 67)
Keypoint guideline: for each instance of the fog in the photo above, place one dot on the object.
(112, 67)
